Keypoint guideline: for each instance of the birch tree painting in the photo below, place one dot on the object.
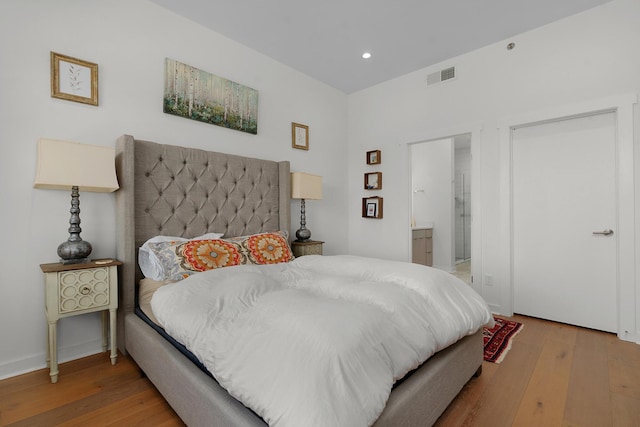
(199, 95)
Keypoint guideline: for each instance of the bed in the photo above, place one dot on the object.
(178, 191)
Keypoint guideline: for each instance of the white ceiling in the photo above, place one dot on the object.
(326, 38)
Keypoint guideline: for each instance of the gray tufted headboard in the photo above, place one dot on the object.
(177, 191)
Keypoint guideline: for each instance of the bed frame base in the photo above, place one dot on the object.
(200, 401)
(423, 397)
(197, 398)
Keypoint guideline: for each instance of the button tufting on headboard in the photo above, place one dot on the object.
(172, 190)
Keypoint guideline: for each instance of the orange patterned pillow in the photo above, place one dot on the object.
(202, 255)
(268, 248)
(182, 259)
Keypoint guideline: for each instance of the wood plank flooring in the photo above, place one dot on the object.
(554, 375)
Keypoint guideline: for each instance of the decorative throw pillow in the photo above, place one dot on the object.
(266, 248)
(149, 263)
(181, 259)
(202, 255)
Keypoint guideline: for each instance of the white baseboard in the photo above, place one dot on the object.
(38, 361)
(629, 336)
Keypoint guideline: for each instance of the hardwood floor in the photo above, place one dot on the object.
(90, 392)
(554, 375)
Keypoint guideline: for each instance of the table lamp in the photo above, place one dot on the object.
(64, 165)
(305, 186)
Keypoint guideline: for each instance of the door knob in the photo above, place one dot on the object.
(606, 232)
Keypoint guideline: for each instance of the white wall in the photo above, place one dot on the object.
(431, 175)
(588, 56)
(129, 40)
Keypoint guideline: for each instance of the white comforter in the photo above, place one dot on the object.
(318, 341)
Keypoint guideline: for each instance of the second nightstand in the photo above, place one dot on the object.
(72, 289)
(310, 247)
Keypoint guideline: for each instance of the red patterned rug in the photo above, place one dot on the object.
(497, 340)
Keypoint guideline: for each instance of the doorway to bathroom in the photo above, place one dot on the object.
(441, 200)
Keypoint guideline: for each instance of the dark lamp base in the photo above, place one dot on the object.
(74, 252)
(303, 235)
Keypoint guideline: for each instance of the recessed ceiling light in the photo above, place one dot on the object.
(366, 55)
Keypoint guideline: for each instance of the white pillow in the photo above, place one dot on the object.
(150, 264)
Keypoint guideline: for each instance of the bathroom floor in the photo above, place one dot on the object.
(463, 270)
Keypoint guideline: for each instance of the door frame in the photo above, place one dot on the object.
(628, 294)
(475, 129)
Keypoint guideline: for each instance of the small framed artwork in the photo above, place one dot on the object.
(373, 181)
(74, 79)
(374, 157)
(299, 136)
(372, 207)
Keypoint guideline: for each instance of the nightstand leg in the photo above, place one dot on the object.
(48, 347)
(112, 333)
(105, 330)
(53, 354)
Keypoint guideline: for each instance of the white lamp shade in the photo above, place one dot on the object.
(306, 186)
(64, 164)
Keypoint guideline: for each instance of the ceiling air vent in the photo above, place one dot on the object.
(441, 76)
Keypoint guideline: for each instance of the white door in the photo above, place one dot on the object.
(564, 207)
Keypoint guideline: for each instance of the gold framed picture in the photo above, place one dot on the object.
(299, 136)
(74, 79)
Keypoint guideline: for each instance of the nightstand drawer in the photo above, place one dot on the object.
(83, 289)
